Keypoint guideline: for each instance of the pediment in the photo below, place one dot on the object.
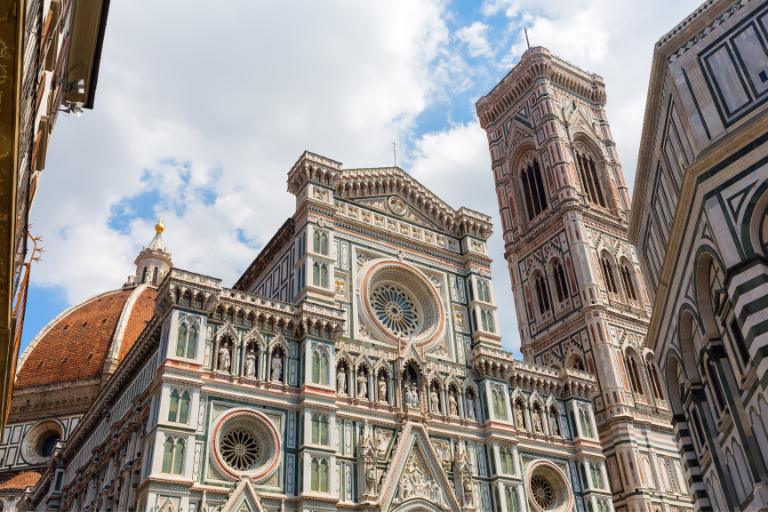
(416, 476)
(395, 205)
(243, 499)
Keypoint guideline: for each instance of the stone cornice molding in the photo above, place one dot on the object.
(367, 182)
(563, 382)
(536, 63)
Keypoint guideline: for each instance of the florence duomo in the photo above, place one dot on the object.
(360, 361)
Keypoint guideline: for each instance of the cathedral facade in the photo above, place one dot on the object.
(355, 365)
(700, 222)
(580, 297)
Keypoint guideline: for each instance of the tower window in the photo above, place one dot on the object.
(561, 285)
(533, 189)
(629, 285)
(542, 294)
(590, 181)
(610, 281)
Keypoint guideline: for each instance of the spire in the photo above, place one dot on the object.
(153, 262)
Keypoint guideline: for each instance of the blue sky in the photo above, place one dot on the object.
(198, 120)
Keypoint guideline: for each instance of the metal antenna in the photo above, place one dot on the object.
(394, 152)
(525, 29)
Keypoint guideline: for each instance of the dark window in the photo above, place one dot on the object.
(533, 189)
(590, 181)
(629, 285)
(542, 294)
(738, 340)
(561, 285)
(610, 281)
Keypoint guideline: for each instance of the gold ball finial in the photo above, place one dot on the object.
(159, 227)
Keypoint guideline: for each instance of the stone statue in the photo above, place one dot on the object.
(277, 369)
(368, 460)
(554, 425)
(224, 359)
(382, 388)
(362, 386)
(463, 469)
(434, 401)
(341, 382)
(250, 364)
(519, 416)
(537, 421)
(453, 405)
(470, 408)
(411, 396)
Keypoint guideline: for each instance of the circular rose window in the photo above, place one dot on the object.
(40, 441)
(400, 304)
(246, 444)
(548, 489)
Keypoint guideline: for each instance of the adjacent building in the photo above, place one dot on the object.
(699, 221)
(49, 62)
(580, 297)
(356, 364)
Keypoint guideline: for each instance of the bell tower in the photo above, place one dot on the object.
(579, 295)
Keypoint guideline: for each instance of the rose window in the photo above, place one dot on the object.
(395, 309)
(399, 303)
(246, 443)
(542, 492)
(548, 488)
(240, 450)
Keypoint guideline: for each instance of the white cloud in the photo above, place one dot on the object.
(236, 93)
(456, 166)
(474, 36)
(242, 89)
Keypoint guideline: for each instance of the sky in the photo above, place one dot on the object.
(200, 113)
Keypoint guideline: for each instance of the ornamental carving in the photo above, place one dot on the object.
(418, 482)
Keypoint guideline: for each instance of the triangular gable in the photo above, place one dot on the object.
(411, 213)
(578, 122)
(416, 475)
(243, 499)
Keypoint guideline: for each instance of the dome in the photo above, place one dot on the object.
(87, 341)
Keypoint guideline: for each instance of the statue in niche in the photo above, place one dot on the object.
(554, 424)
(382, 388)
(411, 395)
(434, 401)
(453, 405)
(362, 386)
(470, 407)
(519, 415)
(250, 363)
(463, 469)
(368, 455)
(537, 420)
(341, 381)
(277, 369)
(225, 361)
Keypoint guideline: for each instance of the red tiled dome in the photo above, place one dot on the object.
(82, 342)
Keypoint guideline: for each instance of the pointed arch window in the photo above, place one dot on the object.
(320, 242)
(499, 411)
(634, 373)
(320, 429)
(144, 275)
(590, 180)
(319, 475)
(173, 455)
(533, 189)
(507, 460)
(178, 410)
(483, 290)
(608, 277)
(561, 284)
(181, 342)
(320, 366)
(542, 293)
(487, 320)
(155, 273)
(627, 281)
(320, 275)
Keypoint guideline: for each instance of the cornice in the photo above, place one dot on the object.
(534, 64)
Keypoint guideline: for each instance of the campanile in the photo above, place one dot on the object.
(580, 297)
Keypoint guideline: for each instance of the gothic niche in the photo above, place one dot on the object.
(400, 304)
(362, 382)
(246, 444)
(382, 384)
(342, 378)
(411, 384)
(224, 359)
